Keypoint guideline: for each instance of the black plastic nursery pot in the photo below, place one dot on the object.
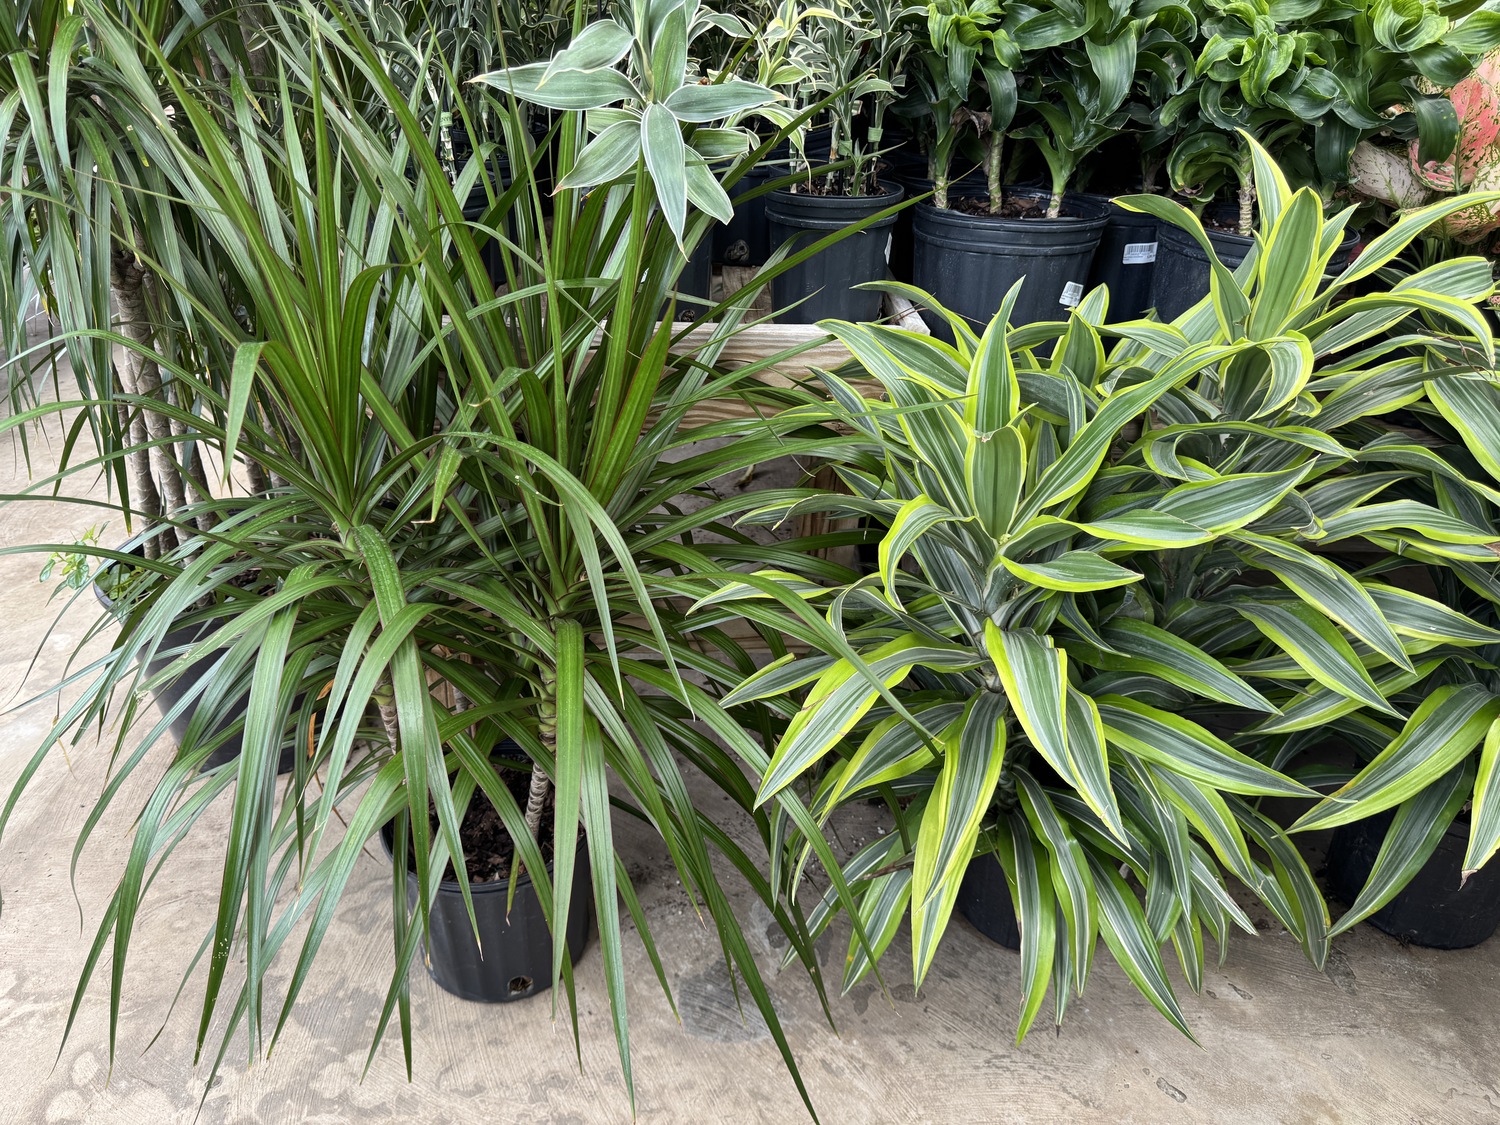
(167, 696)
(824, 284)
(984, 899)
(969, 262)
(516, 961)
(746, 239)
(1181, 277)
(1125, 260)
(696, 281)
(910, 171)
(1437, 909)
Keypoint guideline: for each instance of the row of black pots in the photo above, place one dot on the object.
(1183, 280)
(1438, 909)
(969, 261)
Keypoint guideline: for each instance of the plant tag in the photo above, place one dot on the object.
(1139, 253)
(889, 239)
(1072, 293)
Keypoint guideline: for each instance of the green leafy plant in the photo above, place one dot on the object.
(991, 678)
(968, 43)
(660, 101)
(457, 490)
(1310, 81)
(73, 568)
(1098, 565)
(1080, 84)
(852, 62)
(1404, 676)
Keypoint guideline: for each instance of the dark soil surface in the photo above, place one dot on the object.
(824, 189)
(488, 847)
(1014, 207)
(1221, 224)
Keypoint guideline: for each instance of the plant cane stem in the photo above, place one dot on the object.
(993, 151)
(541, 784)
(143, 378)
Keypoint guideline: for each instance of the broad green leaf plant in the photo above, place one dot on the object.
(1310, 80)
(1003, 680)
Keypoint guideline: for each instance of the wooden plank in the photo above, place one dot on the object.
(760, 341)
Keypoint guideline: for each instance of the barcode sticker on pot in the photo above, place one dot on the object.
(1072, 293)
(1139, 253)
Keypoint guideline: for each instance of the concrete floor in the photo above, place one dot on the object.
(1386, 1034)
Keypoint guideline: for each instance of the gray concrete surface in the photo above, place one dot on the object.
(1386, 1034)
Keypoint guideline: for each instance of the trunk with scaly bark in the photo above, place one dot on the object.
(541, 784)
(142, 378)
(144, 497)
(1247, 208)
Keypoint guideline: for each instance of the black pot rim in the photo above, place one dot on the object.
(1003, 222)
(1176, 233)
(886, 192)
(129, 547)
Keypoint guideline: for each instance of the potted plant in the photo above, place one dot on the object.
(970, 248)
(1127, 620)
(1413, 692)
(850, 66)
(659, 99)
(1348, 74)
(999, 683)
(465, 531)
(1399, 178)
(1415, 823)
(1125, 260)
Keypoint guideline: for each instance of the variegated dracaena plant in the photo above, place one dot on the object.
(1357, 655)
(1088, 554)
(981, 675)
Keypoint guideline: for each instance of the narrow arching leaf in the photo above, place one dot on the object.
(1072, 881)
(572, 90)
(1026, 869)
(1484, 818)
(718, 100)
(1184, 747)
(1145, 647)
(1318, 647)
(1073, 571)
(996, 468)
(972, 760)
(1089, 761)
(1331, 590)
(1034, 674)
(1123, 924)
(1447, 726)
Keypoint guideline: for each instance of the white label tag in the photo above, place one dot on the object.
(890, 238)
(1072, 293)
(1139, 253)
